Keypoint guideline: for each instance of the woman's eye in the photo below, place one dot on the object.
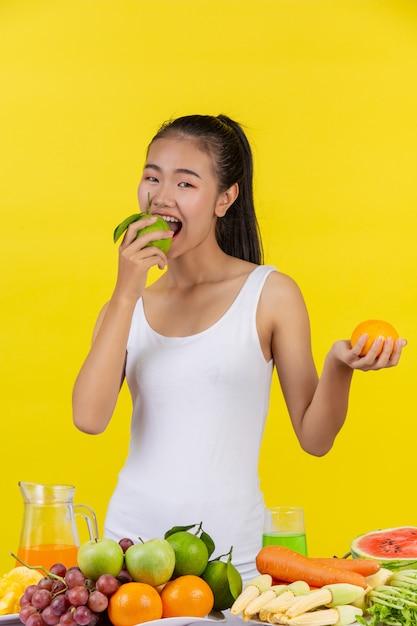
(184, 185)
(152, 179)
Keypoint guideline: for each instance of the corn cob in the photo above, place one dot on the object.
(252, 590)
(283, 601)
(329, 596)
(277, 618)
(266, 596)
(379, 578)
(288, 592)
(337, 616)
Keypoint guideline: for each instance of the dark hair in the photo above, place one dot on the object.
(237, 233)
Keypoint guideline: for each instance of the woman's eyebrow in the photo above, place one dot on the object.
(179, 170)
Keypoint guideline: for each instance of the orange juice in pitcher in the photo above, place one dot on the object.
(49, 531)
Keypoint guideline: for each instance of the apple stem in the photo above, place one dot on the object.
(148, 211)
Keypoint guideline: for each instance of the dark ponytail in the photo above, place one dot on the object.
(237, 233)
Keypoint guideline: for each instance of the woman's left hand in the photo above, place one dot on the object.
(371, 361)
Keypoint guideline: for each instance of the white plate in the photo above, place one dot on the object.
(5, 620)
(13, 618)
(185, 621)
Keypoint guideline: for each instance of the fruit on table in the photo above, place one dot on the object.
(187, 595)
(374, 329)
(191, 553)
(100, 556)
(134, 603)
(160, 224)
(67, 597)
(151, 561)
(394, 548)
(13, 585)
(224, 581)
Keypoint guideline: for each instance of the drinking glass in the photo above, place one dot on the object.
(284, 526)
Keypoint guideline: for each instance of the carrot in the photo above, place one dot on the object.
(366, 567)
(284, 564)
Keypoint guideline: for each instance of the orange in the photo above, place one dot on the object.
(134, 603)
(187, 596)
(374, 329)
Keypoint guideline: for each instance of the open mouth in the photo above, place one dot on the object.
(174, 224)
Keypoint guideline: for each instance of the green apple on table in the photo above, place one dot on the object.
(100, 556)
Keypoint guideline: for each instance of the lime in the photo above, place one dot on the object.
(160, 224)
(223, 578)
(191, 554)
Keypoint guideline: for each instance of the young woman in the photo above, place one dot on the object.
(199, 345)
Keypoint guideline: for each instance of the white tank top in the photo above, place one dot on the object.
(199, 409)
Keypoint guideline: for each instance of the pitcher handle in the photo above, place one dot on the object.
(90, 518)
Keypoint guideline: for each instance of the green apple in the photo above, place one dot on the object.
(151, 562)
(100, 556)
(160, 224)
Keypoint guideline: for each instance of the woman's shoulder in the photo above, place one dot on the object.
(281, 290)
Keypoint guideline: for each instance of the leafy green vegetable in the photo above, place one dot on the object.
(394, 604)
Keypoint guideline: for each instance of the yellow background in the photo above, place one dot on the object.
(327, 92)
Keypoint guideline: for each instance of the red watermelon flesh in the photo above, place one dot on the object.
(394, 548)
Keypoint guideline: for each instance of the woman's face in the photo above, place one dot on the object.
(183, 190)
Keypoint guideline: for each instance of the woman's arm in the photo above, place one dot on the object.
(317, 407)
(98, 383)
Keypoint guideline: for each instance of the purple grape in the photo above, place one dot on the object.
(124, 577)
(97, 601)
(49, 617)
(29, 591)
(83, 615)
(74, 577)
(41, 599)
(95, 617)
(67, 619)
(59, 569)
(107, 584)
(45, 583)
(24, 601)
(60, 604)
(25, 612)
(125, 543)
(78, 596)
(58, 586)
(35, 620)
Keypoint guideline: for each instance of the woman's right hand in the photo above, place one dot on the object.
(135, 260)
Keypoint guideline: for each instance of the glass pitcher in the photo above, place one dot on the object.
(49, 531)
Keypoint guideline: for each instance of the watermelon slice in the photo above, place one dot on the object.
(394, 548)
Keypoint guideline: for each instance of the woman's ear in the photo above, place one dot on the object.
(226, 200)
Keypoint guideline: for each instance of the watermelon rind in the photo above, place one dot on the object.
(386, 546)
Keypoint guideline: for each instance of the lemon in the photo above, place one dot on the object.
(191, 553)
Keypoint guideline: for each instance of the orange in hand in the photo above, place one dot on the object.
(187, 596)
(134, 603)
(374, 329)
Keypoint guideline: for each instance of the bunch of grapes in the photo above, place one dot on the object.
(67, 598)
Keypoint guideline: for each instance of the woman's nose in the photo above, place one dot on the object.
(163, 198)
